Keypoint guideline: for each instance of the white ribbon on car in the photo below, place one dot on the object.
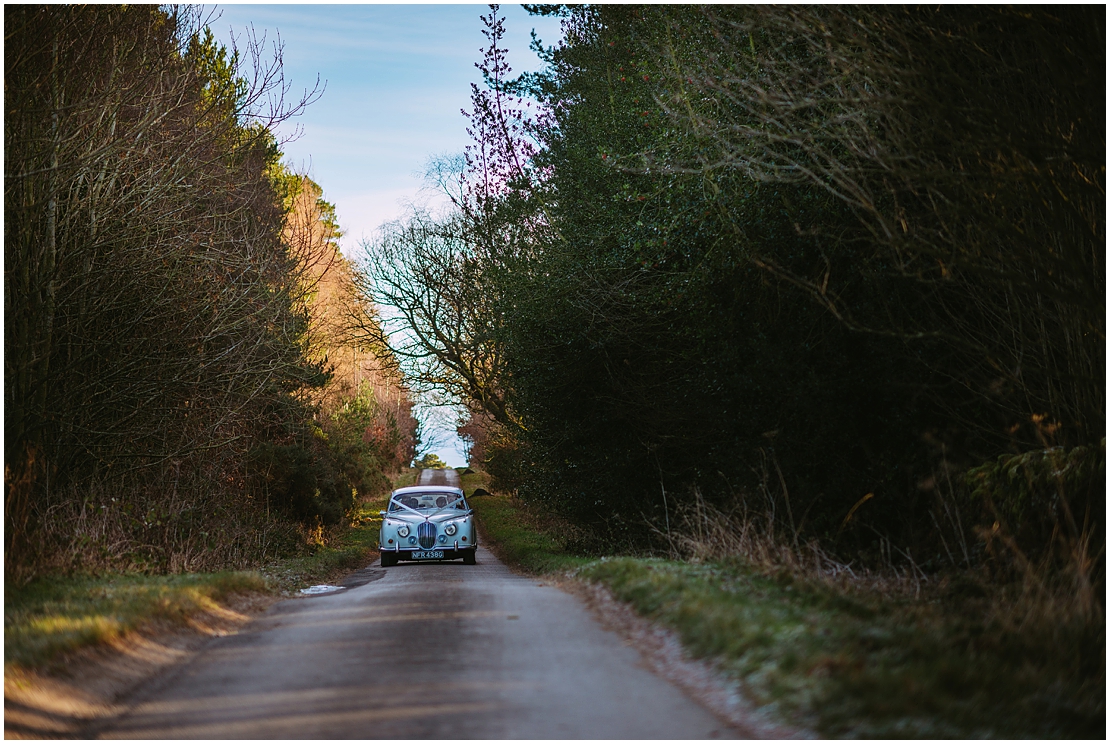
(451, 505)
(403, 505)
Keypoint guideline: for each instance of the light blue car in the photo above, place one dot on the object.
(427, 523)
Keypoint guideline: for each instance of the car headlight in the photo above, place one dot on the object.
(403, 530)
(451, 529)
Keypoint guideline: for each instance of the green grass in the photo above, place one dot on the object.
(406, 478)
(353, 548)
(515, 533)
(852, 665)
(54, 615)
(843, 662)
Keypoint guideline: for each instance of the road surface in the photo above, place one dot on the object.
(418, 651)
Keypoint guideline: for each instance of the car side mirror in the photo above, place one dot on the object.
(381, 513)
(468, 512)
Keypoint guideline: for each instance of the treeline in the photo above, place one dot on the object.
(166, 392)
(803, 267)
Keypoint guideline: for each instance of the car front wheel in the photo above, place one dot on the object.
(470, 557)
(388, 559)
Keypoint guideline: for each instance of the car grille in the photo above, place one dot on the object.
(426, 534)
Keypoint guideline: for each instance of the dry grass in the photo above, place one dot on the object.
(703, 533)
(123, 525)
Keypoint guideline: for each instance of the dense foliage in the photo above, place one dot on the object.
(805, 263)
(159, 349)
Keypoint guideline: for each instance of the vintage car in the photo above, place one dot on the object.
(427, 523)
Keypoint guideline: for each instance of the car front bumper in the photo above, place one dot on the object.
(450, 553)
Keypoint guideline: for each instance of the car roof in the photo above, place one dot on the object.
(427, 489)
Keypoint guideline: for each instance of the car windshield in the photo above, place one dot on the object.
(427, 501)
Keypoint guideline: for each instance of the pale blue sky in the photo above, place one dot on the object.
(397, 77)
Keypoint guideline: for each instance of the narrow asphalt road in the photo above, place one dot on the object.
(432, 650)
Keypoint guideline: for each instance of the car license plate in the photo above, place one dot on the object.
(426, 555)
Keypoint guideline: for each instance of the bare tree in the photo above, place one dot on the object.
(443, 329)
(437, 275)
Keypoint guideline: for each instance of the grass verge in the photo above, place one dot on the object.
(841, 661)
(519, 536)
(406, 478)
(352, 547)
(853, 664)
(56, 615)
